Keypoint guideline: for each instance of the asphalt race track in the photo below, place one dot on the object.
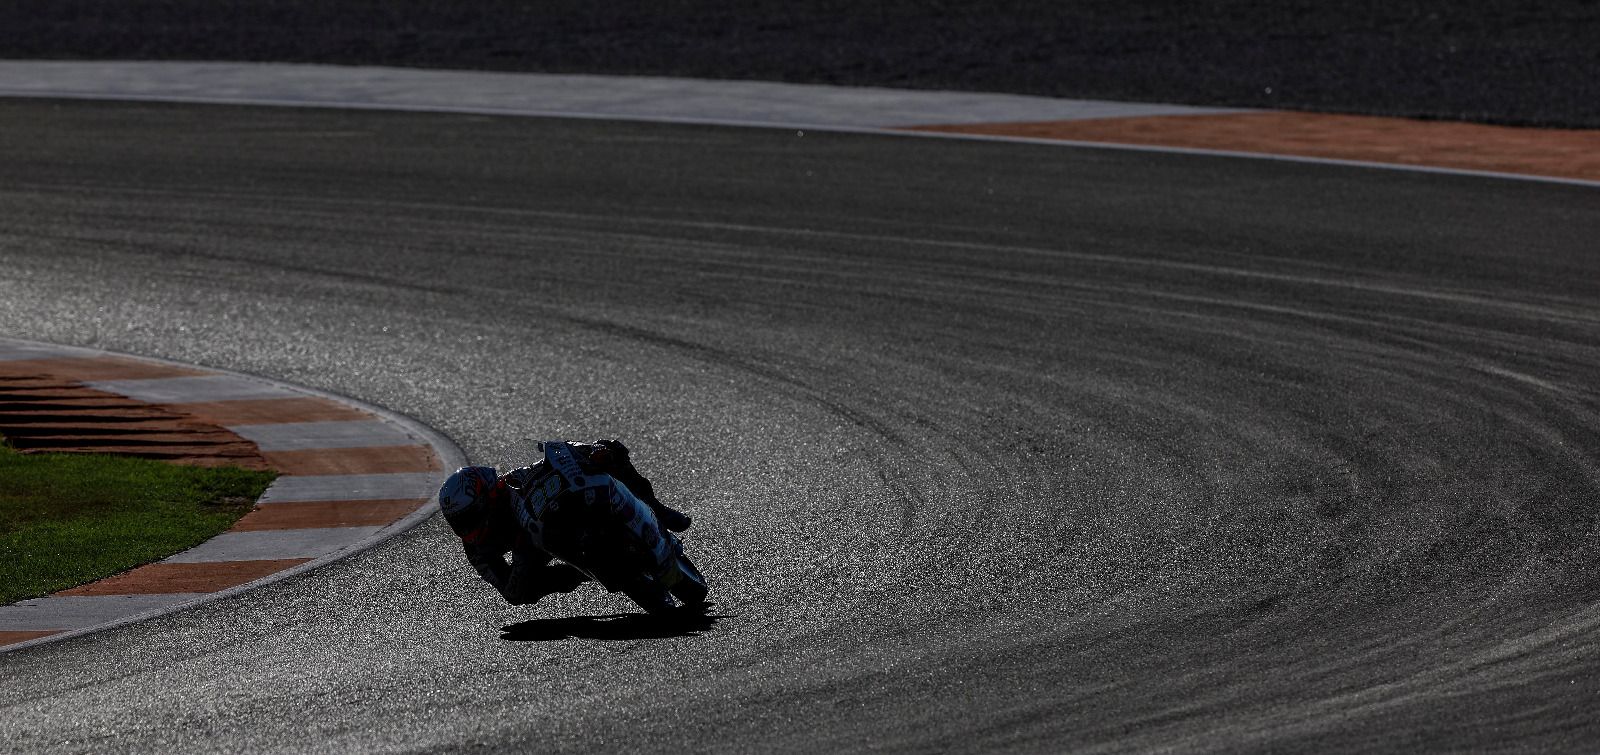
(989, 446)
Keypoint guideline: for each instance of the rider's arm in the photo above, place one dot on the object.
(519, 582)
(490, 563)
(530, 575)
(533, 576)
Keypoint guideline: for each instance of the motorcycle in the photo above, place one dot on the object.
(597, 525)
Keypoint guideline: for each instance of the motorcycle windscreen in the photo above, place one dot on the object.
(516, 454)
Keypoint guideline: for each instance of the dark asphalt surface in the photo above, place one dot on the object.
(1508, 61)
(990, 446)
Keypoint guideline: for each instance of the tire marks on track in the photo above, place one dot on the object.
(1203, 455)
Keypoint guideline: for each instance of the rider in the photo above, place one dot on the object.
(479, 505)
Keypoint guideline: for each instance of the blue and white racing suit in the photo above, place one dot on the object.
(523, 519)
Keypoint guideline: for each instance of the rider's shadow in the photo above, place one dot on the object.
(616, 626)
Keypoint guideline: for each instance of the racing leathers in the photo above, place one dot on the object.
(529, 575)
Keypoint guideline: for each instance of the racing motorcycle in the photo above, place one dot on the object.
(590, 521)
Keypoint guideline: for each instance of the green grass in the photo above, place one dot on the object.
(69, 519)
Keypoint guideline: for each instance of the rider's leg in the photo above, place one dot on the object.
(533, 577)
(622, 469)
(633, 512)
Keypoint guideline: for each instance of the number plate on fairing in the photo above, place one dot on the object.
(537, 499)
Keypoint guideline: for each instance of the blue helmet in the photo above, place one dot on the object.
(464, 497)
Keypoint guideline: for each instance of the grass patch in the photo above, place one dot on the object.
(69, 519)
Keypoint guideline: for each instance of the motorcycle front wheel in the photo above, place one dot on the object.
(651, 596)
(691, 584)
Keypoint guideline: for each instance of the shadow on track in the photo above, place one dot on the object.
(616, 626)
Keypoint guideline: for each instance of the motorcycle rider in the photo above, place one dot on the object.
(481, 509)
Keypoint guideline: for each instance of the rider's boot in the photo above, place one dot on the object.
(671, 518)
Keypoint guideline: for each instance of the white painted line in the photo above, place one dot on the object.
(301, 436)
(78, 612)
(9, 353)
(273, 544)
(653, 97)
(185, 390)
(361, 487)
(12, 350)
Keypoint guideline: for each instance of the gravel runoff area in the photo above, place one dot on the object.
(1481, 60)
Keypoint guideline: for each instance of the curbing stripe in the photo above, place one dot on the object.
(16, 352)
(342, 461)
(319, 514)
(199, 388)
(1559, 153)
(354, 487)
(13, 637)
(264, 545)
(165, 578)
(62, 615)
(264, 411)
(305, 521)
(89, 369)
(302, 436)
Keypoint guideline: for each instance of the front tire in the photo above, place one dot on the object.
(651, 597)
(691, 585)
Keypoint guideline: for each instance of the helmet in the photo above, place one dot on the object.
(464, 497)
